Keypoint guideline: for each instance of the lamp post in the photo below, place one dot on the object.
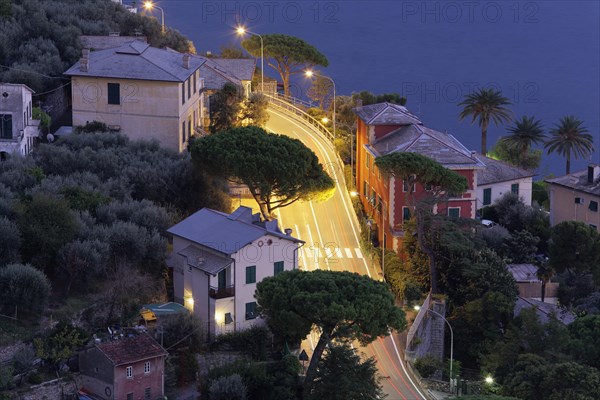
(310, 73)
(149, 6)
(241, 31)
(451, 337)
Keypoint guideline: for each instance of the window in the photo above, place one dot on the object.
(365, 189)
(147, 367)
(129, 372)
(251, 274)
(129, 396)
(189, 82)
(405, 214)
(183, 132)
(190, 126)
(405, 185)
(593, 206)
(114, 93)
(373, 198)
(367, 159)
(487, 196)
(277, 267)
(183, 93)
(5, 126)
(250, 310)
(147, 394)
(195, 83)
(379, 204)
(579, 200)
(593, 226)
(514, 188)
(428, 187)
(454, 212)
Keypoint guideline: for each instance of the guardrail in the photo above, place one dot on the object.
(284, 103)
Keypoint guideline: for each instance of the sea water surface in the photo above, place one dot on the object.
(543, 55)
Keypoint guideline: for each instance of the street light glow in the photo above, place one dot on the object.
(308, 73)
(354, 193)
(489, 380)
(417, 307)
(241, 30)
(325, 120)
(148, 5)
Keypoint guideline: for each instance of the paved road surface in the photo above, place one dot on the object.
(330, 230)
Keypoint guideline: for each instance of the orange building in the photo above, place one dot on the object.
(386, 128)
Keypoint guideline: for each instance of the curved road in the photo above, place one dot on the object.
(331, 232)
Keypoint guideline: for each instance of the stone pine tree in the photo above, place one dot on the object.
(277, 169)
(415, 168)
(288, 55)
(344, 306)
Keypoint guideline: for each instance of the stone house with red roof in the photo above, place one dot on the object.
(130, 368)
(386, 128)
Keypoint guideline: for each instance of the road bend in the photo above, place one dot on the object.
(331, 232)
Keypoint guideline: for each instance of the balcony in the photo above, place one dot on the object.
(222, 292)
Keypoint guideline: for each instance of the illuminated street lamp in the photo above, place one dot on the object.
(241, 31)
(417, 308)
(310, 73)
(489, 380)
(149, 6)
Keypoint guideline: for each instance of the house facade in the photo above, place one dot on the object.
(575, 197)
(498, 178)
(140, 91)
(218, 259)
(130, 368)
(386, 128)
(17, 126)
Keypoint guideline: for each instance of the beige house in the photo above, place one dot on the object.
(17, 126)
(575, 197)
(140, 91)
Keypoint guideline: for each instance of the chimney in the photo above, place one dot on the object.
(186, 61)
(84, 63)
(288, 231)
(593, 173)
(358, 103)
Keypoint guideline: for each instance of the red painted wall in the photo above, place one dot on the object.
(140, 380)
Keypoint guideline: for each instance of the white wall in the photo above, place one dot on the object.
(499, 189)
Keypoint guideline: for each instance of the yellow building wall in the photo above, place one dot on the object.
(148, 109)
(563, 207)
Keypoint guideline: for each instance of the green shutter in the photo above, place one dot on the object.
(251, 274)
(114, 93)
(454, 212)
(514, 188)
(277, 267)
(250, 310)
(405, 214)
(487, 196)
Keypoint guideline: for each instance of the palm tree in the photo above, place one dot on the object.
(526, 132)
(486, 105)
(569, 137)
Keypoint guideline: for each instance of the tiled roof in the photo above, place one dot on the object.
(107, 42)
(131, 349)
(578, 181)
(544, 310)
(441, 147)
(226, 233)
(498, 171)
(386, 114)
(205, 260)
(523, 272)
(216, 71)
(138, 60)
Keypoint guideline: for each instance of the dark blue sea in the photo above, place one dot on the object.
(543, 55)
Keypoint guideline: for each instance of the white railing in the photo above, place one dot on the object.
(289, 104)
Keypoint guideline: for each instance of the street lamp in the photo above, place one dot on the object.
(417, 308)
(149, 6)
(241, 31)
(310, 73)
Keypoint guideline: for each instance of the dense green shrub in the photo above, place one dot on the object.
(253, 342)
(227, 388)
(23, 286)
(427, 365)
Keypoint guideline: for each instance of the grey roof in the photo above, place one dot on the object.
(205, 260)
(578, 181)
(226, 233)
(107, 42)
(386, 114)
(441, 147)
(217, 71)
(544, 310)
(138, 60)
(498, 171)
(523, 272)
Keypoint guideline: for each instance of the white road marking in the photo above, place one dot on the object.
(312, 209)
(328, 253)
(404, 368)
(311, 247)
(348, 252)
(338, 252)
(358, 252)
